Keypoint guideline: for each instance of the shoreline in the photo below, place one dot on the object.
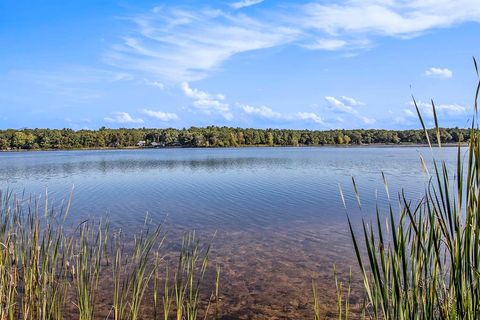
(353, 146)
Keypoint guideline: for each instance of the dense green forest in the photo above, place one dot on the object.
(212, 137)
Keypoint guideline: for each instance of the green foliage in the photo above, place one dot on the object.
(425, 262)
(212, 136)
(46, 270)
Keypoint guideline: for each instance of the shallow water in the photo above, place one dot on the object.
(278, 213)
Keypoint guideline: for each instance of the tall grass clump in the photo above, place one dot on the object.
(33, 254)
(49, 271)
(182, 291)
(424, 263)
(88, 256)
(132, 274)
(189, 278)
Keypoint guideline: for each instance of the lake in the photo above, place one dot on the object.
(278, 214)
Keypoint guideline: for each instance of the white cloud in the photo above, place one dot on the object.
(176, 45)
(451, 109)
(337, 104)
(349, 106)
(367, 120)
(84, 120)
(310, 116)
(326, 44)
(445, 112)
(442, 109)
(351, 101)
(123, 118)
(206, 102)
(262, 111)
(122, 76)
(442, 73)
(409, 113)
(245, 3)
(268, 113)
(180, 45)
(155, 84)
(78, 123)
(389, 17)
(160, 115)
(353, 24)
(198, 94)
(343, 104)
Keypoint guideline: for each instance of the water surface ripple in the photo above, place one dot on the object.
(278, 213)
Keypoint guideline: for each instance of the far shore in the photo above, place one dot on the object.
(353, 146)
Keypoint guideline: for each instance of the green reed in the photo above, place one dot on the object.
(343, 298)
(424, 263)
(47, 272)
(132, 274)
(188, 280)
(33, 256)
(88, 255)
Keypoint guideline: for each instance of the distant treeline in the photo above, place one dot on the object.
(213, 137)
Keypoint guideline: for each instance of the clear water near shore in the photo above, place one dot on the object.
(278, 215)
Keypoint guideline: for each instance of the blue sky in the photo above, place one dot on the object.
(248, 63)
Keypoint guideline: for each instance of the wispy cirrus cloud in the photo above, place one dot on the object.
(245, 3)
(442, 73)
(388, 17)
(326, 44)
(185, 44)
(122, 118)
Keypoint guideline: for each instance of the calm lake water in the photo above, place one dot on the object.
(278, 213)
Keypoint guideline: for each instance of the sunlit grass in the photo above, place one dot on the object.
(47, 272)
(424, 262)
